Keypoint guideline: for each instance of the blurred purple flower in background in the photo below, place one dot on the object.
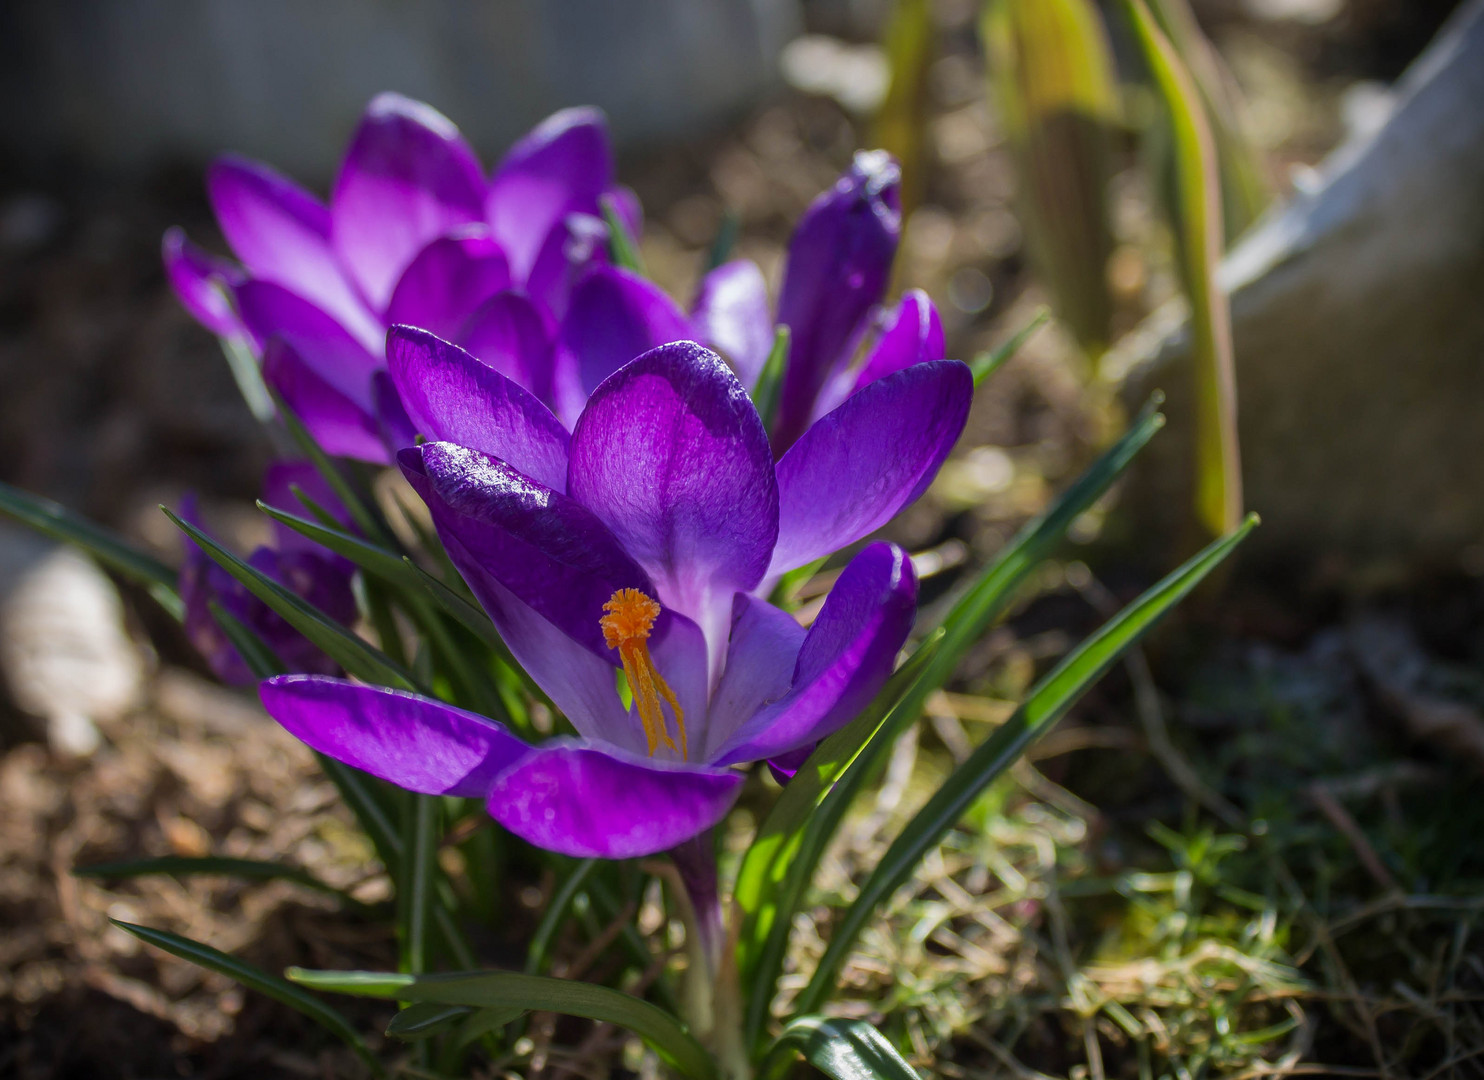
(835, 277)
(315, 574)
(414, 233)
(646, 541)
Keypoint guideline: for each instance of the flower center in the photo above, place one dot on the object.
(626, 626)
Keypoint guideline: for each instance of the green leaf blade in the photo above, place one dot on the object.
(511, 990)
(1197, 217)
(56, 521)
(254, 978)
(424, 1019)
(841, 1049)
(986, 364)
(214, 865)
(1047, 703)
(623, 249)
(777, 868)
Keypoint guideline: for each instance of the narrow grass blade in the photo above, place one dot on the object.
(113, 551)
(505, 989)
(622, 248)
(457, 608)
(253, 978)
(767, 393)
(484, 1021)
(474, 620)
(249, 377)
(389, 565)
(1051, 80)
(420, 593)
(539, 952)
(779, 865)
(1245, 189)
(218, 865)
(1047, 703)
(423, 1019)
(415, 900)
(725, 239)
(901, 123)
(372, 801)
(1196, 213)
(987, 363)
(350, 652)
(841, 1049)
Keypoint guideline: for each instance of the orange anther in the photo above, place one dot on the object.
(629, 618)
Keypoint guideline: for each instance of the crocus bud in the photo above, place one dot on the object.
(839, 263)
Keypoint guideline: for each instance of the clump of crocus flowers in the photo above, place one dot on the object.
(623, 492)
(583, 448)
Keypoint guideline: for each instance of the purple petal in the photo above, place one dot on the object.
(614, 316)
(407, 178)
(271, 311)
(342, 426)
(452, 397)
(392, 421)
(202, 283)
(670, 455)
(282, 234)
(199, 585)
(580, 683)
(846, 657)
(510, 334)
(547, 549)
(588, 802)
(411, 741)
(763, 651)
(447, 280)
(731, 315)
(857, 467)
(839, 262)
(678, 649)
(321, 579)
(913, 334)
(561, 167)
(576, 243)
(785, 767)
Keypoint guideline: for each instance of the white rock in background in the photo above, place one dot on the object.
(131, 83)
(1359, 331)
(64, 653)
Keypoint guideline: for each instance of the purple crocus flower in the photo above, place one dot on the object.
(645, 541)
(315, 574)
(838, 268)
(413, 233)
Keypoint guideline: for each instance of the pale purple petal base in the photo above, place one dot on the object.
(731, 315)
(847, 656)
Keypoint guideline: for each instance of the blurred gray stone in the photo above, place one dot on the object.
(64, 655)
(124, 83)
(1358, 320)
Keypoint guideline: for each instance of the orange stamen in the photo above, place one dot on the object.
(626, 626)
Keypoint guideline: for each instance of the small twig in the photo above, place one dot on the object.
(1336, 814)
